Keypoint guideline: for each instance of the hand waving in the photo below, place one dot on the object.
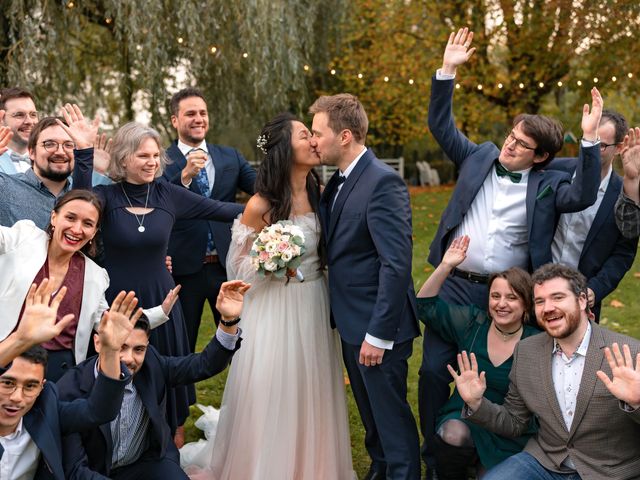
(591, 119)
(470, 385)
(625, 385)
(457, 252)
(631, 154)
(38, 322)
(171, 299)
(117, 322)
(101, 153)
(82, 132)
(230, 299)
(5, 138)
(457, 50)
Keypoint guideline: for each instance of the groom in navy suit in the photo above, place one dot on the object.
(505, 199)
(198, 248)
(366, 221)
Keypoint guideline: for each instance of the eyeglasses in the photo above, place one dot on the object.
(22, 116)
(604, 146)
(51, 146)
(29, 390)
(519, 143)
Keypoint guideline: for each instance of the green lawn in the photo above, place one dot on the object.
(427, 204)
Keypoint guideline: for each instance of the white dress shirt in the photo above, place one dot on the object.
(20, 457)
(573, 229)
(567, 375)
(23, 164)
(208, 165)
(496, 222)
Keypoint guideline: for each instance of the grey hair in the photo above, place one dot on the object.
(125, 143)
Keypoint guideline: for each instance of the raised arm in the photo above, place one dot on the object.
(190, 205)
(631, 165)
(454, 256)
(84, 134)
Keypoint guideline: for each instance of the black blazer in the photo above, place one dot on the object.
(51, 417)
(188, 242)
(88, 454)
(606, 255)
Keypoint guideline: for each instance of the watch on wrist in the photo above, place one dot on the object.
(230, 323)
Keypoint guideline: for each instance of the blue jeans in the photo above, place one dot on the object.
(525, 466)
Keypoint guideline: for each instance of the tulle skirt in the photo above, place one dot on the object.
(283, 413)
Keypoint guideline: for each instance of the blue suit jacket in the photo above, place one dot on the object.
(369, 244)
(88, 455)
(606, 255)
(50, 418)
(549, 192)
(188, 242)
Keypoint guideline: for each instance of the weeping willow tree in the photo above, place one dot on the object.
(252, 58)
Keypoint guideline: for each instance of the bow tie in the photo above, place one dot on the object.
(17, 158)
(502, 172)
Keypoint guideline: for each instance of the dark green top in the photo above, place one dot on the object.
(467, 327)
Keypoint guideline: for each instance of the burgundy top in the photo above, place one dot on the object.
(71, 303)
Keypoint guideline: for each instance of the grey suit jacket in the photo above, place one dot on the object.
(603, 440)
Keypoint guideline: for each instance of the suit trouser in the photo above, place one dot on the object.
(197, 288)
(434, 378)
(381, 395)
(150, 469)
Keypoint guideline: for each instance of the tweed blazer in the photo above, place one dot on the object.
(603, 439)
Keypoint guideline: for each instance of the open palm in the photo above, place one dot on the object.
(457, 50)
(625, 384)
(471, 385)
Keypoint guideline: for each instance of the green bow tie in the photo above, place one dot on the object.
(513, 176)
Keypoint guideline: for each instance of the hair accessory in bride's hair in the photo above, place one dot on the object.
(261, 143)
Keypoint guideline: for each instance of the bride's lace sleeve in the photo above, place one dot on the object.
(239, 266)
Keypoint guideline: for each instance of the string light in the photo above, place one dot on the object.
(108, 20)
(180, 40)
(479, 87)
(333, 71)
(245, 55)
(614, 78)
(214, 49)
(630, 75)
(70, 5)
(500, 85)
(411, 81)
(560, 83)
(521, 85)
(457, 85)
(579, 82)
(541, 85)
(595, 79)
(306, 68)
(386, 79)
(360, 75)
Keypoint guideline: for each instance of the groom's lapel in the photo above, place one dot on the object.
(345, 191)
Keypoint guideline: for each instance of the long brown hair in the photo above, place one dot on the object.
(521, 283)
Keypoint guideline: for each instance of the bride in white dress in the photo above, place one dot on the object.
(283, 414)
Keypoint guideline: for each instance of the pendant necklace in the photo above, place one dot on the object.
(140, 221)
(506, 335)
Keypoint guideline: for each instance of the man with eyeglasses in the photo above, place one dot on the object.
(18, 112)
(505, 201)
(590, 241)
(33, 419)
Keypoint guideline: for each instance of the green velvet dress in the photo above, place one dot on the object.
(467, 327)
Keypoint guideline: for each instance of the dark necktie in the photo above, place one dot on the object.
(334, 193)
(502, 172)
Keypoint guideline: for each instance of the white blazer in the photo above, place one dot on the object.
(23, 251)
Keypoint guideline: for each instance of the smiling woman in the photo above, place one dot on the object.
(59, 254)
(140, 212)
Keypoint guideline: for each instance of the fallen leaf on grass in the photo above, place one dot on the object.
(636, 274)
(616, 304)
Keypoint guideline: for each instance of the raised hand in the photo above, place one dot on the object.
(625, 385)
(5, 137)
(82, 132)
(38, 322)
(101, 153)
(470, 385)
(171, 299)
(230, 298)
(631, 154)
(591, 118)
(457, 50)
(117, 322)
(457, 252)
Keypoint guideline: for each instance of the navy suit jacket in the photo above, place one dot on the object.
(369, 251)
(549, 192)
(188, 242)
(89, 454)
(50, 418)
(606, 255)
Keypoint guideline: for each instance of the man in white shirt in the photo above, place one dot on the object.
(587, 428)
(505, 200)
(589, 241)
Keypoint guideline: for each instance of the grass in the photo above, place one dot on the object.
(620, 312)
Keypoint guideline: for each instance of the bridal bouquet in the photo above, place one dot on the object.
(278, 250)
